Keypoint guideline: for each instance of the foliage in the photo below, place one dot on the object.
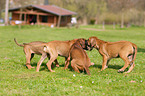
(2, 6)
(16, 79)
(123, 11)
(101, 9)
(86, 9)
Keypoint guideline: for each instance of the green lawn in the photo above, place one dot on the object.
(17, 80)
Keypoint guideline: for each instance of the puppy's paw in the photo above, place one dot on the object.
(120, 71)
(127, 72)
(57, 65)
(52, 71)
(33, 67)
(65, 68)
(29, 66)
(92, 63)
(104, 68)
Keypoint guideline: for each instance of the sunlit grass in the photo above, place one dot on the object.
(16, 79)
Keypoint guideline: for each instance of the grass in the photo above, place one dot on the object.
(16, 79)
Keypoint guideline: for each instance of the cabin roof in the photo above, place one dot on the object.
(50, 9)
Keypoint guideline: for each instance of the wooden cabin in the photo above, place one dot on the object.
(49, 15)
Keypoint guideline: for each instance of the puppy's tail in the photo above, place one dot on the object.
(21, 45)
(87, 70)
(135, 52)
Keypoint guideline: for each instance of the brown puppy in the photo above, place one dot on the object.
(79, 58)
(34, 48)
(55, 48)
(123, 49)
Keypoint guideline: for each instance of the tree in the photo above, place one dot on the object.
(18, 3)
(123, 11)
(6, 12)
(2, 6)
(46, 2)
(85, 9)
(120, 6)
(141, 7)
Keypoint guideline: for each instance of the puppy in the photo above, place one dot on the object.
(123, 49)
(79, 58)
(32, 48)
(55, 49)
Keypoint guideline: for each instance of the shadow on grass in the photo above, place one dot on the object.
(117, 67)
(141, 50)
(44, 66)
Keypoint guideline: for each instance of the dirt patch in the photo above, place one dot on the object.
(2, 24)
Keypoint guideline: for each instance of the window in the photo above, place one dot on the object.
(45, 19)
(63, 19)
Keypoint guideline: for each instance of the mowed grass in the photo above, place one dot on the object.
(16, 79)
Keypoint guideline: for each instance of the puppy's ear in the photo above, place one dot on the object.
(93, 41)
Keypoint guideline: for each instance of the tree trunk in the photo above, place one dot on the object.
(103, 25)
(85, 22)
(0, 15)
(122, 20)
(6, 12)
(59, 20)
(144, 19)
(114, 25)
(46, 2)
(20, 17)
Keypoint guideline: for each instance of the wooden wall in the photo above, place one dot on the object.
(15, 16)
(52, 20)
